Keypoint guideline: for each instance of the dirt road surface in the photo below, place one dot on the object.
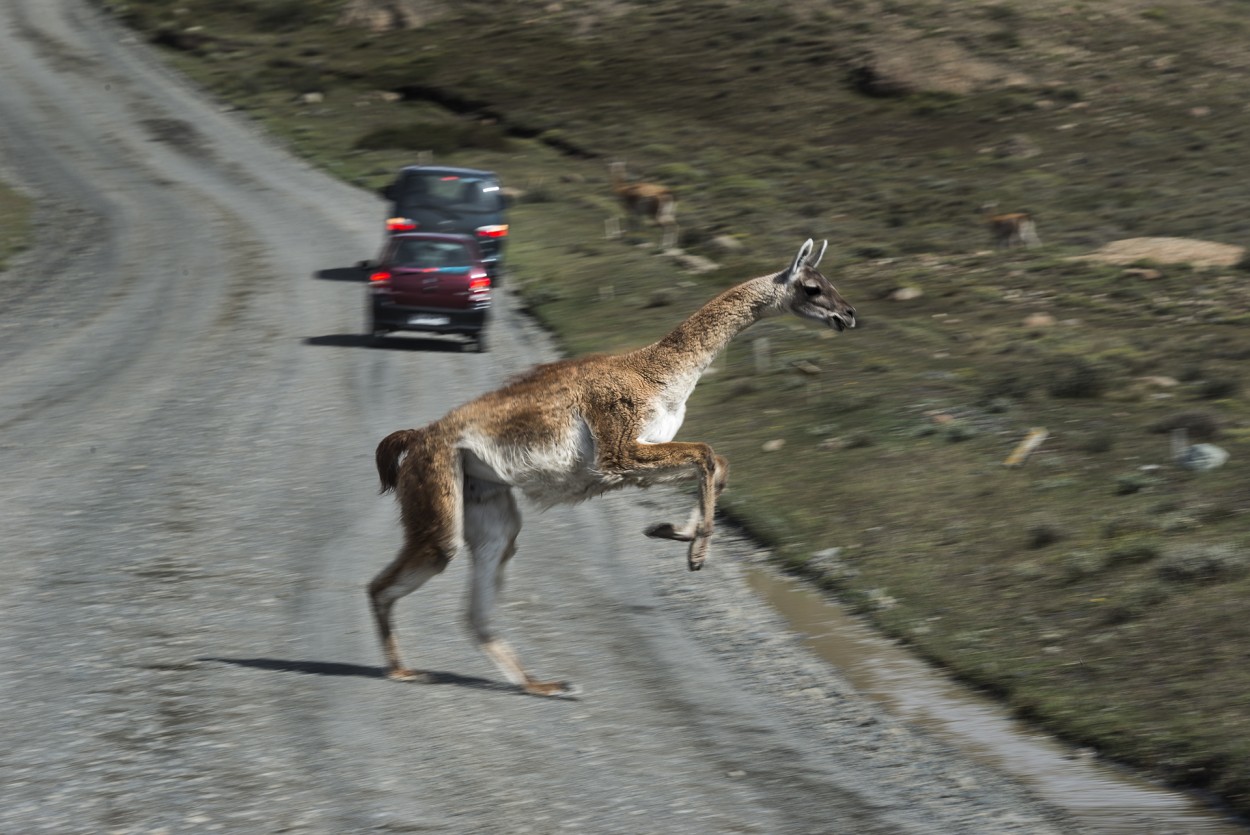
(187, 422)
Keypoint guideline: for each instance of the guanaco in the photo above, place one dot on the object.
(644, 201)
(1010, 230)
(561, 433)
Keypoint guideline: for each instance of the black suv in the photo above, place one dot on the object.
(466, 201)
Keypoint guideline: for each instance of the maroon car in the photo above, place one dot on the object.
(429, 282)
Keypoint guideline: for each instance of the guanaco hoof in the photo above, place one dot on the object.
(552, 689)
(665, 530)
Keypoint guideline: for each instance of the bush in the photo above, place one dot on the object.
(439, 138)
(1207, 563)
(1041, 534)
(1132, 553)
(1216, 388)
(1130, 483)
(285, 15)
(1077, 378)
(1135, 601)
(1201, 426)
(1012, 385)
(1080, 564)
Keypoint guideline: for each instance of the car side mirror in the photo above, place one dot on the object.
(367, 264)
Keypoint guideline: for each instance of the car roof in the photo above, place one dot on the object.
(447, 169)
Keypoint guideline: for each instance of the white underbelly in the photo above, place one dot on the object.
(663, 427)
(558, 473)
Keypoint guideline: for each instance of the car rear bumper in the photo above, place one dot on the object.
(393, 317)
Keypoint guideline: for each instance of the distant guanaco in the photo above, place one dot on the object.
(562, 433)
(1010, 230)
(643, 201)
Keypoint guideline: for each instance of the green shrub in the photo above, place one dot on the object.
(1077, 378)
(285, 15)
(1217, 388)
(1203, 563)
(1135, 601)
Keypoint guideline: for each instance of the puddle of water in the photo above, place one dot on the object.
(1101, 798)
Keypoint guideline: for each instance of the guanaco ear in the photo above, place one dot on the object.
(814, 261)
(804, 251)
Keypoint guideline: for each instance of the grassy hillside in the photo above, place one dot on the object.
(1100, 588)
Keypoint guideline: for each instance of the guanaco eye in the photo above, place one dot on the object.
(811, 289)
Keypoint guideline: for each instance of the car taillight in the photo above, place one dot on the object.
(379, 277)
(400, 224)
(500, 231)
(479, 285)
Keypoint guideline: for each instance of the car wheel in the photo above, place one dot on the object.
(479, 342)
(372, 333)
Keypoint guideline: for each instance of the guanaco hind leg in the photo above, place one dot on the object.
(491, 524)
(428, 487)
(411, 569)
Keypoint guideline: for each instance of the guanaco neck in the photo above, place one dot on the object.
(692, 345)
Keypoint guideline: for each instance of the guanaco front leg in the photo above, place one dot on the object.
(676, 461)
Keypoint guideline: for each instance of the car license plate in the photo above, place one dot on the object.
(428, 320)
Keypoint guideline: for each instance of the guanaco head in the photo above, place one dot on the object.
(809, 294)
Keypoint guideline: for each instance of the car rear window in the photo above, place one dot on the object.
(431, 254)
(450, 192)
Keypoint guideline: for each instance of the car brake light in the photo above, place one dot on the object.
(500, 231)
(381, 275)
(400, 224)
(479, 285)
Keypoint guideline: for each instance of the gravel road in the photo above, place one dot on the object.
(187, 422)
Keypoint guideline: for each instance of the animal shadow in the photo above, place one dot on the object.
(388, 343)
(342, 670)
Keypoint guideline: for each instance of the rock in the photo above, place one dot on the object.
(694, 263)
(1144, 273)
(1017, 147)
(1203, 457)
(1160, 381)
(312, 98)
(893, 67)
(389, 15)
(774, 445)
(906, 294)
(726, 243)
(1168, 251)
(1039, 320)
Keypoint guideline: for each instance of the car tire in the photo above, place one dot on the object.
(479, 342)
(372, 334)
